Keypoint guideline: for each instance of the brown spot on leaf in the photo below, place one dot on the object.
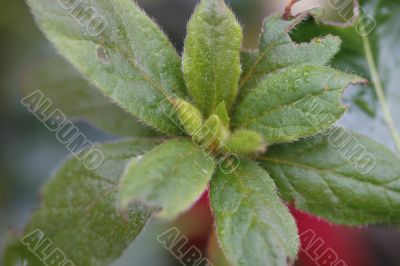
(103, 55)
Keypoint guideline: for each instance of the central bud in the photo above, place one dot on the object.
(214, 134)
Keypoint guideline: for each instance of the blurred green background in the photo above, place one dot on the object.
(29, 152)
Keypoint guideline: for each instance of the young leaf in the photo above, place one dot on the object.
(211, 60)
(277, 51)
(222, 113)
(170, 177)
(341, 176)
(78, 212)
(245, 142)
(114, 44)
(189, 116)
(294, 103)
(253, 226)
(213, 133)
(77, 99)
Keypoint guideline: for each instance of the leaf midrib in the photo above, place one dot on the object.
(328, 170)
(276, 108)
(261, 56)
(250, 193)
(129, 56)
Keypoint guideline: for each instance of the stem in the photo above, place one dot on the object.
(379, 90)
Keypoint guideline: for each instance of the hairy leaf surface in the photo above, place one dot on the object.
(277, 51)
(294, 103)
(215, 252)
(121, 51)
(253, 226)
(78, 212)
(211, 61)
(380, 17)
(341, 176)
(171, 177)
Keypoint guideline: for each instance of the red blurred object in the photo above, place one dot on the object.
(196, 224)
(323, 243)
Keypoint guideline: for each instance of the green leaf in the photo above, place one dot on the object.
(277, 51)
(120, 50)
(384, 40)
(294, 103)
(214, 252)
(253, 226)
(189, 116)
(76, 98)
(213, 133)
(78, 212)
(211, 61)
(245, 142)
(222, 113)
(341, 176)
(351, 54)
(170, 177)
